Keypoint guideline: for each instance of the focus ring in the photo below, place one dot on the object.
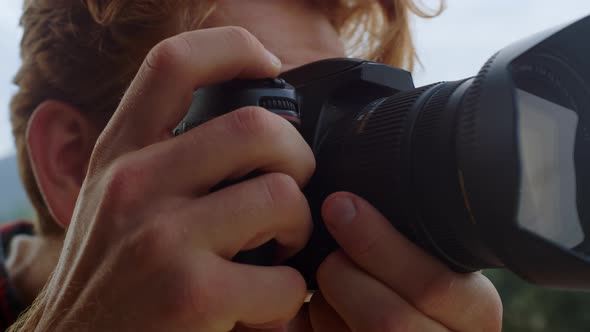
(380, 133)
(376, 155)
(434, 180)
(468, 115)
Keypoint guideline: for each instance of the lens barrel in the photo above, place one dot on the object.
(400, 154)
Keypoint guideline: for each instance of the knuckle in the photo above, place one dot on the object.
(153, 241)
(125, 183)
(281, 190)
(150, 245)
(251, 121)
(184, 295)
(239, 36)
(194, 296)
(294, 281)
(168, 54)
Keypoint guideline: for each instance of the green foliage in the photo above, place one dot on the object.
(529, 308)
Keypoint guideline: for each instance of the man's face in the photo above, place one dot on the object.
(295, 31)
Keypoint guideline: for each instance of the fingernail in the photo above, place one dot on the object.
(340, 211)
(274, 59)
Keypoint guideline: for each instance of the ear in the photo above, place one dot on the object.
(60, 140)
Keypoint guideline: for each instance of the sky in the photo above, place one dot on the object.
(452, 46)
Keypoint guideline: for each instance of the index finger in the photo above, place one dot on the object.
(162, 90)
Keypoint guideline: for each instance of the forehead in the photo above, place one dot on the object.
(296, 31)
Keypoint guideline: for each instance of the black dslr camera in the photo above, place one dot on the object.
(489, 171)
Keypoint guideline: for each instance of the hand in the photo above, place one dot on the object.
(149, 247)
(380, 281)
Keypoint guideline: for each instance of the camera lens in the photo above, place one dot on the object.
(400, 154)
(456, 166)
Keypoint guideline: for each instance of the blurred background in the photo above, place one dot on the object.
(452, 46)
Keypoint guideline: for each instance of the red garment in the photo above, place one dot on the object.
(10, 305)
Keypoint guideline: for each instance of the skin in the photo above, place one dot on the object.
(134, 235)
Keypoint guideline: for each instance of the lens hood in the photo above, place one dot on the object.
(527, 97)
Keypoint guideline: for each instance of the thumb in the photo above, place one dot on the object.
(340, 213)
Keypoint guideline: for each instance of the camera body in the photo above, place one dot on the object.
(332, 104)
(322, 93)
(317, 98)
(488, 171)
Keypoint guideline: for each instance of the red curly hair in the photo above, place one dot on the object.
(86, 52)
